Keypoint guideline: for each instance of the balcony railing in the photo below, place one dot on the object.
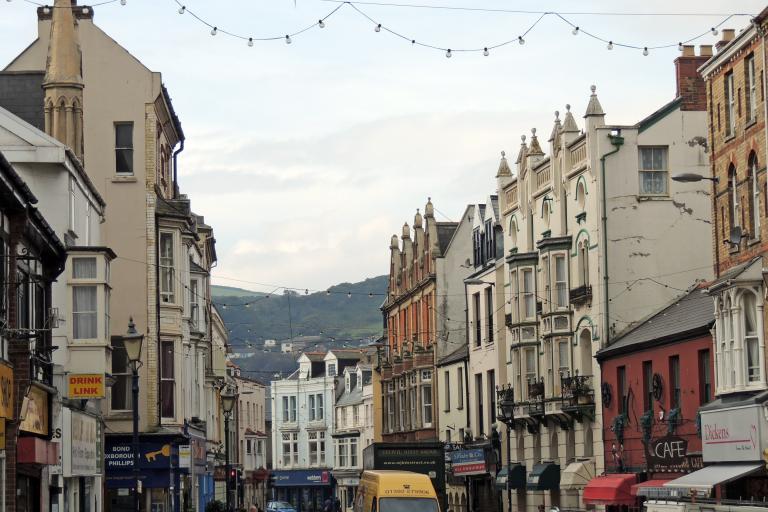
(577, 395)
(581, 294)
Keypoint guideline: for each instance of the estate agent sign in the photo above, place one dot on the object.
(733, 435)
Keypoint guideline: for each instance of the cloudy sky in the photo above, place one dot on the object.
(307, 157)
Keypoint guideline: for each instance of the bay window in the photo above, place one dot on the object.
(84, 312)
(751, 350)
(529, 304)
(561, 282)
(167, 380)
(167, 270)
(426, 405)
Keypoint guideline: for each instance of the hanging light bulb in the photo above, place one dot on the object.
(288, 39)
(378, 28)
(714, 31)
(575, 31)
(306, 292)
(321, 24)
(224, 306)
(610, 45)
(520, 40)
(247, 304)
(214, 30)
(328, 292)
(123, 2)
(486, 52)
(448, 53)
(46, 9)
(86, 10)
(413, 41)
(370, 294)
(250, 41)
(182, 9)
(349, 295)
(679, 47)
(645, 51)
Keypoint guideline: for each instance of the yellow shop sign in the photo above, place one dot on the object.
(86, 385)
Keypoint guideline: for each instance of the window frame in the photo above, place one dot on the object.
(167, 267)
(662, 172)
(167, 380)
(750, 86)
(427, 408)
(730, 105)
(93, 315)
(128, 149)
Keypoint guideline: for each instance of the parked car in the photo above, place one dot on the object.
(280, 506)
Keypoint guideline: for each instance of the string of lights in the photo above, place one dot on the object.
(485, 49)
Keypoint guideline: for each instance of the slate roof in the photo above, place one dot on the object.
(353, 397)
(445, 231)
(457, 355)
(342, 353)
(22, 93)
(688, 315)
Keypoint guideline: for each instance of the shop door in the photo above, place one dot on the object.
(28, 494)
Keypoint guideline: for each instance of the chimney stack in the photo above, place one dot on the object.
(728, 35)
(690, 84)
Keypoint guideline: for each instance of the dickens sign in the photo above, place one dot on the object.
(670, 454)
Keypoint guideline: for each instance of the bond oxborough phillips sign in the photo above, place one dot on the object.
(734, 435)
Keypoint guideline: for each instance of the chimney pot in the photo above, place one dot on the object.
(688, 50)
(705, 50)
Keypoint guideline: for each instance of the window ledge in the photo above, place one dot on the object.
(750, 123)
(124, 179)
(729, 137)
(119, 415)
(648, 197)
(753, 241)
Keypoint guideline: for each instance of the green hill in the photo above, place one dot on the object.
(254, 317)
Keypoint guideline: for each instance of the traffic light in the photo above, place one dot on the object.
(232, 479)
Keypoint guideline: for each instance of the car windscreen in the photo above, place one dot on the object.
(408, 505)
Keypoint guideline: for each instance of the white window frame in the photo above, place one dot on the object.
(730, 105)
(561, 281)
(427, 409)
(662, 173)
(529, 299)
(93, 315)
(751, 88)
(167, 267)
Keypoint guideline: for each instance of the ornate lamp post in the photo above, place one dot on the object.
(506, 414)
(132, 341)
(228, 400)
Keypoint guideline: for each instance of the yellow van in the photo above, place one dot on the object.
(395, 491)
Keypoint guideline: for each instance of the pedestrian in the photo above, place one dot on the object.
(328, 505)
(337, 505)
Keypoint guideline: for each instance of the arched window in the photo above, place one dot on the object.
(580, 195)
(585, 352)
(733, 198)
(513, 231)
(751, 351)
(754, 197)
(545, 212)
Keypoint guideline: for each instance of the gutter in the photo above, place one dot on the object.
(617, 141)
(175, 170)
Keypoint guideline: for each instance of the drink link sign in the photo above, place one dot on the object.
(733, 435)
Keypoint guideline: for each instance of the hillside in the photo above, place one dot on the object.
(253, 318)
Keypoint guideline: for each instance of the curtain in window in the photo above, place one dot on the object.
(167, 397)
(84, 268)
(84, 312)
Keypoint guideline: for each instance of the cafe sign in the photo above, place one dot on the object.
(6, 391)
(670, 454)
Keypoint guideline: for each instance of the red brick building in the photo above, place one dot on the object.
(654, 379)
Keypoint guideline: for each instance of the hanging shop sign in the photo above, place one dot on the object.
(733, 435)
(81, 444)
(469, 462)
(6, 391)
(85, 385)
(185, 456)
(34, 411)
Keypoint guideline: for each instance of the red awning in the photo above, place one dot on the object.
(610, 490)
(652, 488)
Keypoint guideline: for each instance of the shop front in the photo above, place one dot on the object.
(733, 442)
(36, 455)
(305, 489)
(159, 475)
(193, 480)
(6, 414)
(478, 467)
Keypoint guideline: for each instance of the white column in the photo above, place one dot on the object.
(738, 343)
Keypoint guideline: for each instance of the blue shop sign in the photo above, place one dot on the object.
(118, 455)
(150, 479)
(300, 477)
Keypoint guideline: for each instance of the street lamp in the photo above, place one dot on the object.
(228, 399)
(691, 177)
(132, 341)
(506, 414)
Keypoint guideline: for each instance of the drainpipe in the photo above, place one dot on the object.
(175, 172)
(617, 141)
(713, 171)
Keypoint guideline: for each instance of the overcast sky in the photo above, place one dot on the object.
(306, 158)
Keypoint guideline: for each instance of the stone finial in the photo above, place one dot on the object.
(429, 209)
(594, 108)
(557, 115)
(394, 243)
(535, 148)
(504, 169)
(406, 231)
(522, 138)
(417, 220)
(569, 124)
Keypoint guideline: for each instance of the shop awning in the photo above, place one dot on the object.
(544, 477)
(652, 488)
(517, 480)
(576, 475)
(612, 489)
(705, 479)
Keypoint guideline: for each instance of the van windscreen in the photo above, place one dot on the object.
(408, 505)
